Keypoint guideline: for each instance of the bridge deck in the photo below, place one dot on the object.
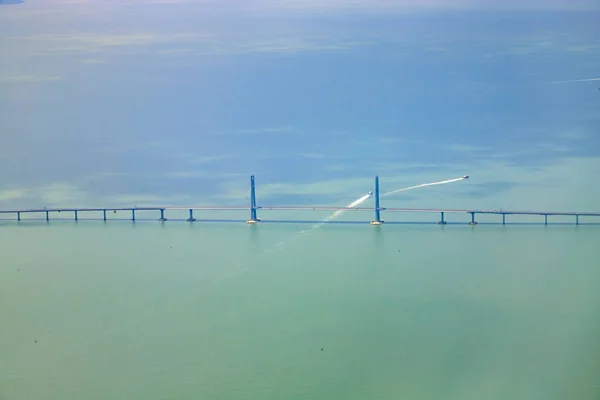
(302, 208)
(428, 210)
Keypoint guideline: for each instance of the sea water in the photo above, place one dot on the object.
(145, 310)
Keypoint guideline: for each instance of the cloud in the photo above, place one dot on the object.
(202, 174)
(315, 156)
(537, 149)
(28, 79)
(51, 195)
(336, 167)
(583, 48)
(180, 44)
(493, 188)
(577, 80)
(57, 194)
(93, 61)
(65, 195)
(96, 42)
(13, 194)
(195, 159)
(467, 148)
(536, 153)
(104, 175)
(247, 42)
(139, 199)
(279, 129)
(534, 44)
(393, 139)
(524, 152)
(179, 52)
(285, 45)
(386, 6)
(572, 135)
(400, 168)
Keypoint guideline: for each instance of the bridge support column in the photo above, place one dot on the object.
(442, 222)
(472, 219)
(577, 219)
(162, 215)
(546, 219)
(18, 215)
(76, 217)
(133, 214)
(377, 220)
(253, 218)
(104, 211)
(191, 218)
(503, 219)
(47, 216)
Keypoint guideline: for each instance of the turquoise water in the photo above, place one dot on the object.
(219, 311)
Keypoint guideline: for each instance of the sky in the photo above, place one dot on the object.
(177, 102)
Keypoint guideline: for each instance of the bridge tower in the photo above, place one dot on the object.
(377, 220)
(253, 219)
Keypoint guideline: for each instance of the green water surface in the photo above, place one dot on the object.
(123, 310)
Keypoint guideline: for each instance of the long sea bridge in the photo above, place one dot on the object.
(253, 208)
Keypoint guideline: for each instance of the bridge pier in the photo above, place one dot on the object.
(191, 218)
(133, 214)
(377, 220)
(18, 215)
(442, 222)
(76, 217)
(577, 219)
(545, 219)
(47, 216)
(253, 218)
(503, 219)
(162, 215)
(472, 219)
(104, 211)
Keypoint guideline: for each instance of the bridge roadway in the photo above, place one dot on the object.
(310, 208)
(427, 210)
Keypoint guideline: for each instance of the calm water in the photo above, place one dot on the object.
(203, 311)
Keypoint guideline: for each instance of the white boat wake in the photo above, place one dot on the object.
(240, 267)
(336, 214)
(425, 185)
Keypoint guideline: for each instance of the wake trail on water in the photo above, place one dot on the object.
(336, 214)
(241, 268)
(355, 203)
(423, 185)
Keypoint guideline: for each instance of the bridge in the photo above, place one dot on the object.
(254, 219)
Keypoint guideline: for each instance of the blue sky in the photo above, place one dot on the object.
(108, 103)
